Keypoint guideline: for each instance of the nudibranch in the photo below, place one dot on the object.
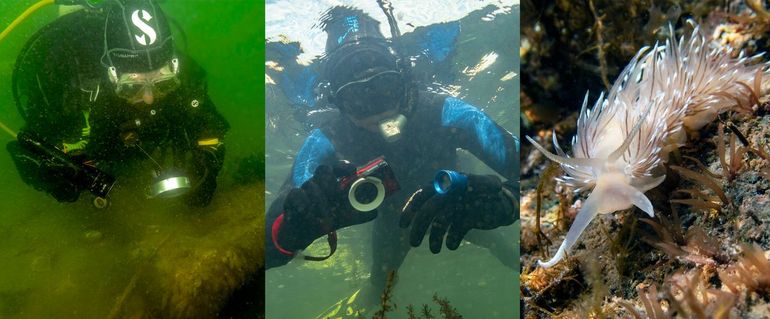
(623, 141)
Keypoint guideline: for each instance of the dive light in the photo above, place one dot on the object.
(456, 183)
(169, 185)
(97, 182)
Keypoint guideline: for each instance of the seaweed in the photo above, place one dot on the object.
(550, 171)
(691, 296)
(694, 247)
(649, 299)
(446, 310)
(592, 306)
(386, 304)
(622, 244)
(752, 272)
(701, 200)
(731, 159)
(688, 296)
(551, 288)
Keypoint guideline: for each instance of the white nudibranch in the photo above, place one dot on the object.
(624, 139)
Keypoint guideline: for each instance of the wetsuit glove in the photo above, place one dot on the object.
(54, 178)
(319, 207)
(208, 162)
(488, 205)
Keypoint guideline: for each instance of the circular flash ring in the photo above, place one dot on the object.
(361, 207)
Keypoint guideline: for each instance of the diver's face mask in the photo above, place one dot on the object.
(148, 86)
(374, 103)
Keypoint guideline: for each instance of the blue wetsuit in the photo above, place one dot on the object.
(437, 126)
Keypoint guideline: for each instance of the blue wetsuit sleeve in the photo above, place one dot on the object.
(317, 150)
(480, 135)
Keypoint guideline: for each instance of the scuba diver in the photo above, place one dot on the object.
(104, 88)
(389, 129)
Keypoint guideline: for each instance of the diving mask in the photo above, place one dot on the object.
(131, 86)
(373, 95)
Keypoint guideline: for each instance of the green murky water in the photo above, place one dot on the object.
(471, 278)
(140, 257)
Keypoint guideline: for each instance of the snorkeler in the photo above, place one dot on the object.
(102, 88)
(406, 135)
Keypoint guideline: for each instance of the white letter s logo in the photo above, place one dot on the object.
(144, 27)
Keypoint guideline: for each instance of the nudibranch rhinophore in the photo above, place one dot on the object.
(623, 141)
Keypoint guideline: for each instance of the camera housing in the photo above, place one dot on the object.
(370, 185)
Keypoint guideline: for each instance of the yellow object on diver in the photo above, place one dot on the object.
(208, 142)
(24, 15)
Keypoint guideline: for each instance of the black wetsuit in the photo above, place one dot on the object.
(65, 97)
(436, 128)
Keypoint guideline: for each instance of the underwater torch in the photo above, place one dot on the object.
(456, 183)
(97, 182)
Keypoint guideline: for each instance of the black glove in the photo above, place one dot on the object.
(319, 207)
(60, 181)
(46, 175)
(208, 163)
(454, 214)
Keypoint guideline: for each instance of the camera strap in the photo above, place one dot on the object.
(331, 238)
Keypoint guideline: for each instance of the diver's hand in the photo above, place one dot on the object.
(319, 207)
(208, 163)
(59, 181)
(202, 195)
(453, 215)
(43, 172)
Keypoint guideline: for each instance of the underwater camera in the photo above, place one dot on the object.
(89, 177)
(456, 183)
(370, 185)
